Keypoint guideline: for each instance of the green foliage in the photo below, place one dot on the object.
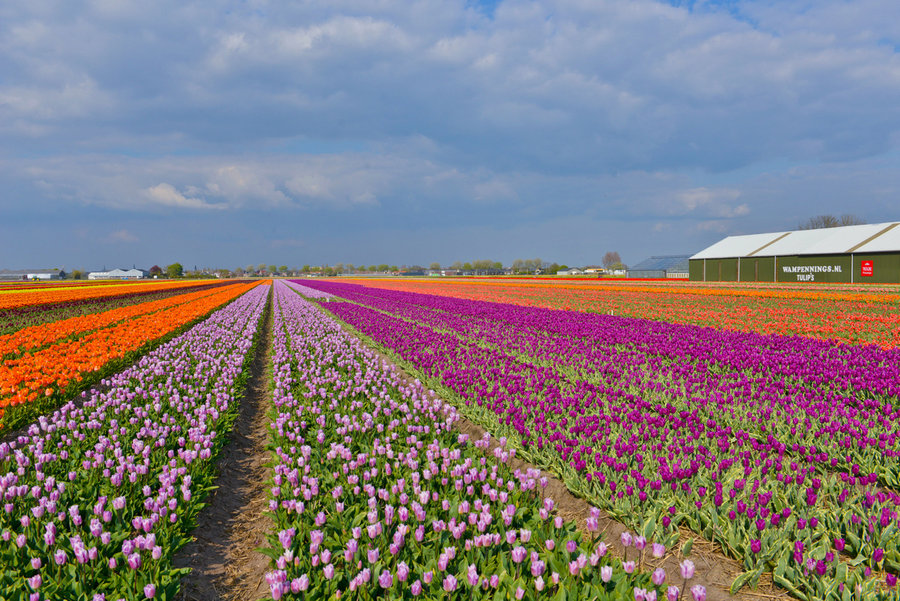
(175, 270)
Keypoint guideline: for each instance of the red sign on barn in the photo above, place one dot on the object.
(868, 268)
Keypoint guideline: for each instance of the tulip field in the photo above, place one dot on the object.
(782, 450)
(44, 359)
(374, 494)
(861, 314)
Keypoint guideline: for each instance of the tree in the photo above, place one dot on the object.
(456, 265)
(434, 266)
(283, 269)
(77, 274)
(273, 269)
(467, 266)
(825, 221)
(156, 270)
(611, 259)
(394, 268)
(175, 270)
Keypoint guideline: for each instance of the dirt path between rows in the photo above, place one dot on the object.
(223, 558)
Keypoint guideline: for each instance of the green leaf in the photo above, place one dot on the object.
(741, 580)
(687, 546)
(845, 596)
(785, 583)
(858, 560)
(649, 528)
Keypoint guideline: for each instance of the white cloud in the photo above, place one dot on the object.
(718, 202)
(166, 195)
(122, 236)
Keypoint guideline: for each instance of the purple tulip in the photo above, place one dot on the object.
(698, 592)
(449, 583)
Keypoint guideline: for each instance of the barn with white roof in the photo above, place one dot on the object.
(854, 253)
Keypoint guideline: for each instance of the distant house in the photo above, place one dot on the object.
(594, 270)
(31, 274)
(119, 274)
(665, 266)
(570, 271)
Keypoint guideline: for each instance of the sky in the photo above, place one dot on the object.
(223, 133)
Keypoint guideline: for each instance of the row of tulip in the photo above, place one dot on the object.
(12, 320)
(51, 294)
(48, 373)
(656, 452)
(97, 497)
(31, 338)
(375, 494)
(845, 313)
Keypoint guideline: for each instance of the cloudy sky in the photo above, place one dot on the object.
(227, 132)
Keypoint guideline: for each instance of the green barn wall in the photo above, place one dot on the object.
(886, 268)
(835, 268)
(695, 270)
(814, 268)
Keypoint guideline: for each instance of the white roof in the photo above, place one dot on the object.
(737, 246)
(888, 241)
(877, 237)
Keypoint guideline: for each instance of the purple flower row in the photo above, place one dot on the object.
(99, 495)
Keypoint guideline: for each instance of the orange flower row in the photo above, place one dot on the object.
(33, 375)
(832, 294)
(11, 299)
(47, 333)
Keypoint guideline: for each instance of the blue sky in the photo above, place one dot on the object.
(225, 132)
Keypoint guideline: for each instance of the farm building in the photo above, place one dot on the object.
(119, 274)
(666, 266)
(855, 254)
(31, 274)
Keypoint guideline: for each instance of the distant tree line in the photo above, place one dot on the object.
(825, 221)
